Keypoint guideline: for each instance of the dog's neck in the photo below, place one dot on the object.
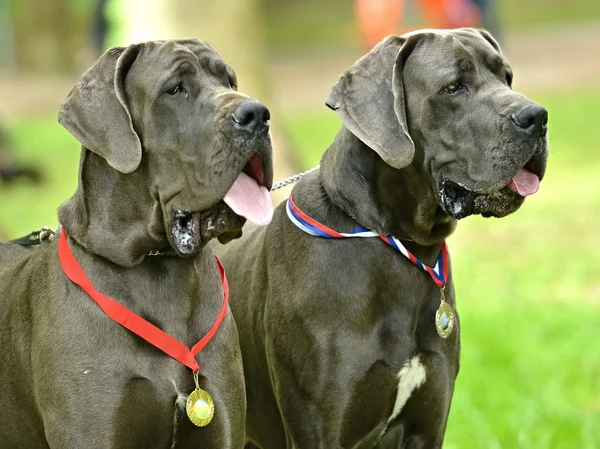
(120, 227)
(400, 203)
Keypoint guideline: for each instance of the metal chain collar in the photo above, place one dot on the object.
(276, 186)
(292, 179)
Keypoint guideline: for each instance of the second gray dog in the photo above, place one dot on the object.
(343, 339)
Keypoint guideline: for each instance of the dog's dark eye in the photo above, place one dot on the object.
(509, 78)
(178, 90)
(452, 88)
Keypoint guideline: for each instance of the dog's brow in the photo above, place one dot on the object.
(495, 63)
(184, 65)
(217, 67)
(442, 77)
(176, 65)
(464, 66)
(233, 93)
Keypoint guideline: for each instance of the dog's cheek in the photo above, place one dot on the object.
(510, 151)
(229, 236)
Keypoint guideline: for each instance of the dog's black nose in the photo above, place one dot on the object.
(251, 116)
(532, 118)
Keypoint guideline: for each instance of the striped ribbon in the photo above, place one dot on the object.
(439, 273)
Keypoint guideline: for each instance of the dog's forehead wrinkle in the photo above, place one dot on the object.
(170, 67)
(496, 64)
(495, 61)
(214, 64)
(438, 65)
(174, 52)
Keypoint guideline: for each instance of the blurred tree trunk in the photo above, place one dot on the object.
(48, 34)
(236, 29)
(7, 56)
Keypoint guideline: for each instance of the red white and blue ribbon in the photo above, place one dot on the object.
(439, 273)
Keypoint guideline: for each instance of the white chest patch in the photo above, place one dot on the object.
(411, 376)
(181, 400)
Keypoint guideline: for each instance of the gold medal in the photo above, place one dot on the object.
(200, 406)
(444, 318)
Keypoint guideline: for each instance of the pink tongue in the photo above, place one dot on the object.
(248, 199)
(525, 183)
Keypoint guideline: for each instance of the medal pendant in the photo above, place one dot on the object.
(444, 318)
(200, 406)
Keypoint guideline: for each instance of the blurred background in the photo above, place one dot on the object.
(528, 285)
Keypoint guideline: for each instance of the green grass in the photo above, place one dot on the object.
(529, 369)
(528, 290)
(528, 285)
(44, 143)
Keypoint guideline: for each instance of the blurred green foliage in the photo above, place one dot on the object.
(43, 142)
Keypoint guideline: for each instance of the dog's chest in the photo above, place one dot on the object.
(403, 336)
(379, 397)
(398, 346)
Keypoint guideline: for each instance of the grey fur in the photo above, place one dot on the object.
(326, 325)
(71, 377)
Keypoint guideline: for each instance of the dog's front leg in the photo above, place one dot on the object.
(309, 420)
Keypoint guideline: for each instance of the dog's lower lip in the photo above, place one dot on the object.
(185, 232)
(458, 200)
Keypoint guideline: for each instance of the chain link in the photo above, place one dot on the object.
(47, 233)
(155, 253)
(292, 179)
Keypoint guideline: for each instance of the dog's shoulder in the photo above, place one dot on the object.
(16, 259)
(11, 251)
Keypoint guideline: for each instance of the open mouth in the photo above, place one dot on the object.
(254, 169)
(459, 201)
(248, 196)
(526, 182)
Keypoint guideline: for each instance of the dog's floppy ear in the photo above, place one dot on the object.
(96, 112)
(369, 98)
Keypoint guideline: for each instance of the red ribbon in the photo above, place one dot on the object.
(132, 321)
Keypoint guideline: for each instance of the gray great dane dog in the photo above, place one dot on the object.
(165, 139)
(339, 337)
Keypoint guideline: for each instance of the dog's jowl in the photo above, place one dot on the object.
(345, 304)
(116, 333)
